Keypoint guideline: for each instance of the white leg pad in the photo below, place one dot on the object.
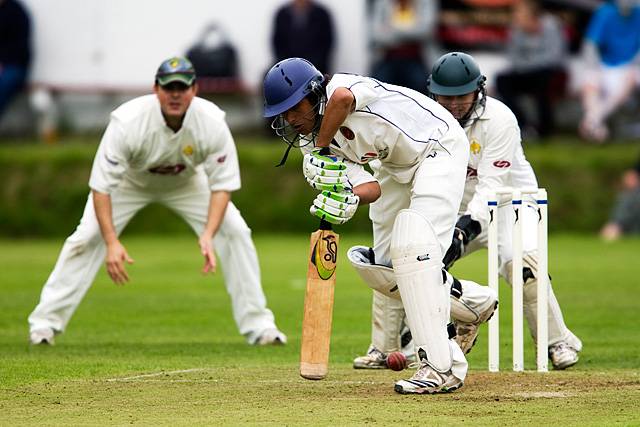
(417, 262)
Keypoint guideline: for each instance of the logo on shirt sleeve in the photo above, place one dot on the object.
(347, 133)
(221, 159)
(502, 164)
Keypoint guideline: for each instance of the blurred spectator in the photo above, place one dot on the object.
(612, 53)
(402, 34)
(536, 50)
(213, 55)
(304, 29)
(15, 49)
(625, 216)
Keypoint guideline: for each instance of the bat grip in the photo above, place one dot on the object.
(325, 225)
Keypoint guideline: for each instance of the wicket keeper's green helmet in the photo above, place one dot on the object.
(455, 74)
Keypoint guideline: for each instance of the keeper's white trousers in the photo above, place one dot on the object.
(557, 328)
(84, 252)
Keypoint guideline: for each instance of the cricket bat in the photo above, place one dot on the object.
(318, 303)
(318, 300)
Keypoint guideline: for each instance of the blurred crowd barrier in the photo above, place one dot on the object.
(76, 80)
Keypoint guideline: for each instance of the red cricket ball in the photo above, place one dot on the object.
(396, 361)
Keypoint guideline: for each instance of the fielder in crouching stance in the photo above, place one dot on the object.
(496, 160)
(176, 149)
(422, 152)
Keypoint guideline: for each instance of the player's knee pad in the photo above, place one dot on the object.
(417, 263)
(378, 277)
(471, 302)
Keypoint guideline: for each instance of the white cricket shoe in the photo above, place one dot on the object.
(467, 333)
(427, 380)
(562, 355)
(42, 337)
(271, 336)
(374, 359)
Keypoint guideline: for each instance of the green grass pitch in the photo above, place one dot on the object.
(164, 350)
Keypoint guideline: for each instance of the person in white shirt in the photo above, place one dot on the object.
(496, 160)
(422, 154)
(175, 149)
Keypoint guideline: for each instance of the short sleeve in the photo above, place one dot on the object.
(111, 160)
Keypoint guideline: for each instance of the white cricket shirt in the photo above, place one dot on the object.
(138, 146)
(393, 124)
(496, 158)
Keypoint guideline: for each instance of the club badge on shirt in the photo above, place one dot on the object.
(188, 150)
(474, 146)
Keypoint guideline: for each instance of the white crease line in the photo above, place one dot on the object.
(147, 379)
(156, 374)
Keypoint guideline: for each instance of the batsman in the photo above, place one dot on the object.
(417, 188)
(496, 160)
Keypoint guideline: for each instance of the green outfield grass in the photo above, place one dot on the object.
(164, 349)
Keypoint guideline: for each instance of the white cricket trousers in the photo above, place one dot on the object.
(84, 252)
(436, 192)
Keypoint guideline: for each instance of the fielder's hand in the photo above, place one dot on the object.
(206, 249)
(326, 173)
(116, 257)
(336, 208)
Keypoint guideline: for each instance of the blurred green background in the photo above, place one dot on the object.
(45, 186)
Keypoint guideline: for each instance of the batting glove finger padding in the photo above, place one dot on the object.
(325, 172)
(336, 208)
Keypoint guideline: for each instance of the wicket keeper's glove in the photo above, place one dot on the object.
(326, 173)
(466, 230)
(336, 208)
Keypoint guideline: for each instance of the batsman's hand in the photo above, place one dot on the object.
(116, 257)
(206, 249)
(336, 208)
(325, 173)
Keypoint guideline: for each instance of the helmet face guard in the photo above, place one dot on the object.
(286, 84)
(458, 74)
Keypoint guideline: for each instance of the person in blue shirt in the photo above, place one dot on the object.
(612, 54)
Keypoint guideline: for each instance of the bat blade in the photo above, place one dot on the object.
(318, 304)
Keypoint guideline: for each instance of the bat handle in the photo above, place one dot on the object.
(325, 225)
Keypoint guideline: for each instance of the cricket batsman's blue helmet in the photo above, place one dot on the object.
(289, 82)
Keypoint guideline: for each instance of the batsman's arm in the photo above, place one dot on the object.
(368, 192)
(339, 106)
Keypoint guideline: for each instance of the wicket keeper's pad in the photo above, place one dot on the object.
(417, 263)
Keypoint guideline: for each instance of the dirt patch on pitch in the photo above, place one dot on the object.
(550, 385)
